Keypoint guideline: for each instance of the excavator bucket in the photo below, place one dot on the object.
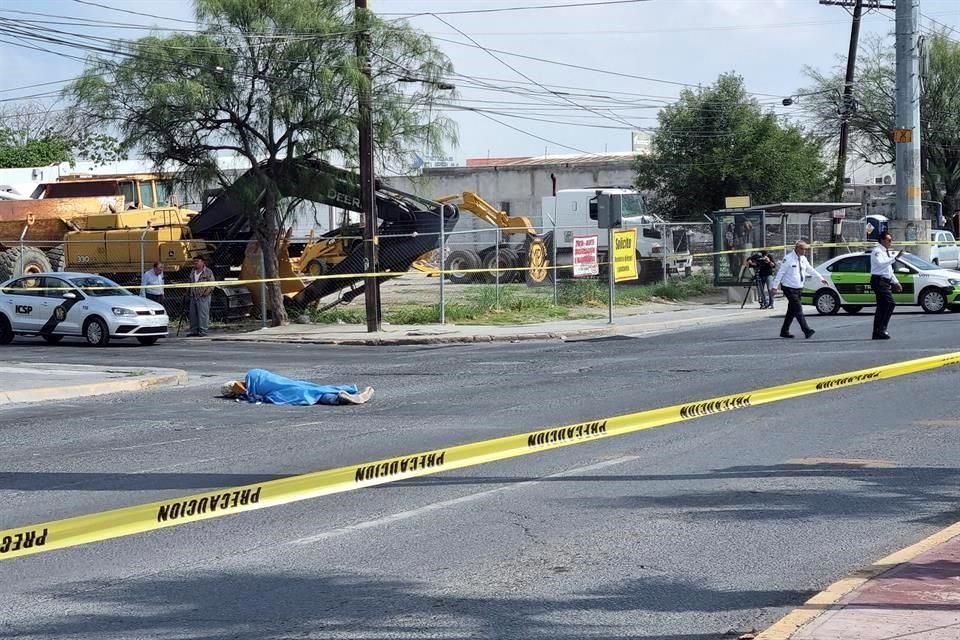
(428, 263)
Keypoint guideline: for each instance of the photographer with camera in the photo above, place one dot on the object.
(763, 267)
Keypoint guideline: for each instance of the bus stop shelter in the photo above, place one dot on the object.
(739, 232)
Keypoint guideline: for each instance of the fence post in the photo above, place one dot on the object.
(20, 259)
(143, 292)
(553, 258)
(663, 254)
(442, 263)
(496, 264)
(610, 270)
(263, 289)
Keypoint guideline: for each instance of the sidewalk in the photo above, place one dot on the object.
(31, 382)
(914, 593)
(649, 319)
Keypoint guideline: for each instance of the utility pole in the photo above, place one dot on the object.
(908, 225)
(368, 190)
(847, 101)
(844, 108)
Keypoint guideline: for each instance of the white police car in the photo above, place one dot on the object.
(56, 305)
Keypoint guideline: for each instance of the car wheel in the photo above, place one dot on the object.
(96, 332)
(148, 340)
(852, 308)
(52, 339)
(826, 302)
(6, 332)
(932, 300)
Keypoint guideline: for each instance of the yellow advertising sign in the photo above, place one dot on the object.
(625, 255)
(737, 202)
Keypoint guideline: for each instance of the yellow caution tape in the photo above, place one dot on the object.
(78, 530)
(438, 271)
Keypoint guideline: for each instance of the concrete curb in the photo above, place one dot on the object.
(408, 339)
(423, 339)
(153, 378)
(829, 599)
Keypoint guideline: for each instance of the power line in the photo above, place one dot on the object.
(517, 71)
(131, 12)
(505, 9)
(571, 65)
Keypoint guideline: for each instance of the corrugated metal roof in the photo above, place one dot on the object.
(578, 158)
(558, 159)
(812, 208)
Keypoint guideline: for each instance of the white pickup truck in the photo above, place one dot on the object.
(944, 252)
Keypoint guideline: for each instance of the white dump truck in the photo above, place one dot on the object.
(573, 212)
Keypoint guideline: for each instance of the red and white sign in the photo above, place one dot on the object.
(585, 261)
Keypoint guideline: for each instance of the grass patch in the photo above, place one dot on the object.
(594, 293)
(519, 304)
(516, 305)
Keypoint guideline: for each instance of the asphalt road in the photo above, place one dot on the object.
(685, 532)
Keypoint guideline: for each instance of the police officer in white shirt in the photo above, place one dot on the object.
(793, 270)
(151, 284)
(881, 281)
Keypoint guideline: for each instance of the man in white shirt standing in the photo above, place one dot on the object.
(882, 280)
(794, 269)
(151, 283)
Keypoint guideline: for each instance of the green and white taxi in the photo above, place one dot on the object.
(848, 285)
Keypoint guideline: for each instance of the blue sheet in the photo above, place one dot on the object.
(263, 386)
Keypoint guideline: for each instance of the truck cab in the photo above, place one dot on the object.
(573, 212)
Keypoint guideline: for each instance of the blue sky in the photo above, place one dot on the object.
(671, 42)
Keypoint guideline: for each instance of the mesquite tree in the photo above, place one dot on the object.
(269, 80)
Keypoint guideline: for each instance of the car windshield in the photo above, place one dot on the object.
(99, 287)
(918, 263)
(631, 205)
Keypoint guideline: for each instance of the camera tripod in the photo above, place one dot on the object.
(759, 283)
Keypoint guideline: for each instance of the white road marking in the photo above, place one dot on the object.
(413, 513)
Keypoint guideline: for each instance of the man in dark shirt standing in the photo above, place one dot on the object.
(763, 266)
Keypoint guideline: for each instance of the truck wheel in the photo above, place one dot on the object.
(17, 261)
(317, 268)
(508, 259)
(56, 258)
(648, 271)
(459, 267)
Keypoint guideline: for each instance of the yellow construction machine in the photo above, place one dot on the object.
(521, 247)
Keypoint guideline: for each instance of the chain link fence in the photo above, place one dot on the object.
(490, 275)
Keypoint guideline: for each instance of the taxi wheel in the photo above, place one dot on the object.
(96, 332)
(932, 300)
(852, 308)
(6, 333)
(826, 302)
